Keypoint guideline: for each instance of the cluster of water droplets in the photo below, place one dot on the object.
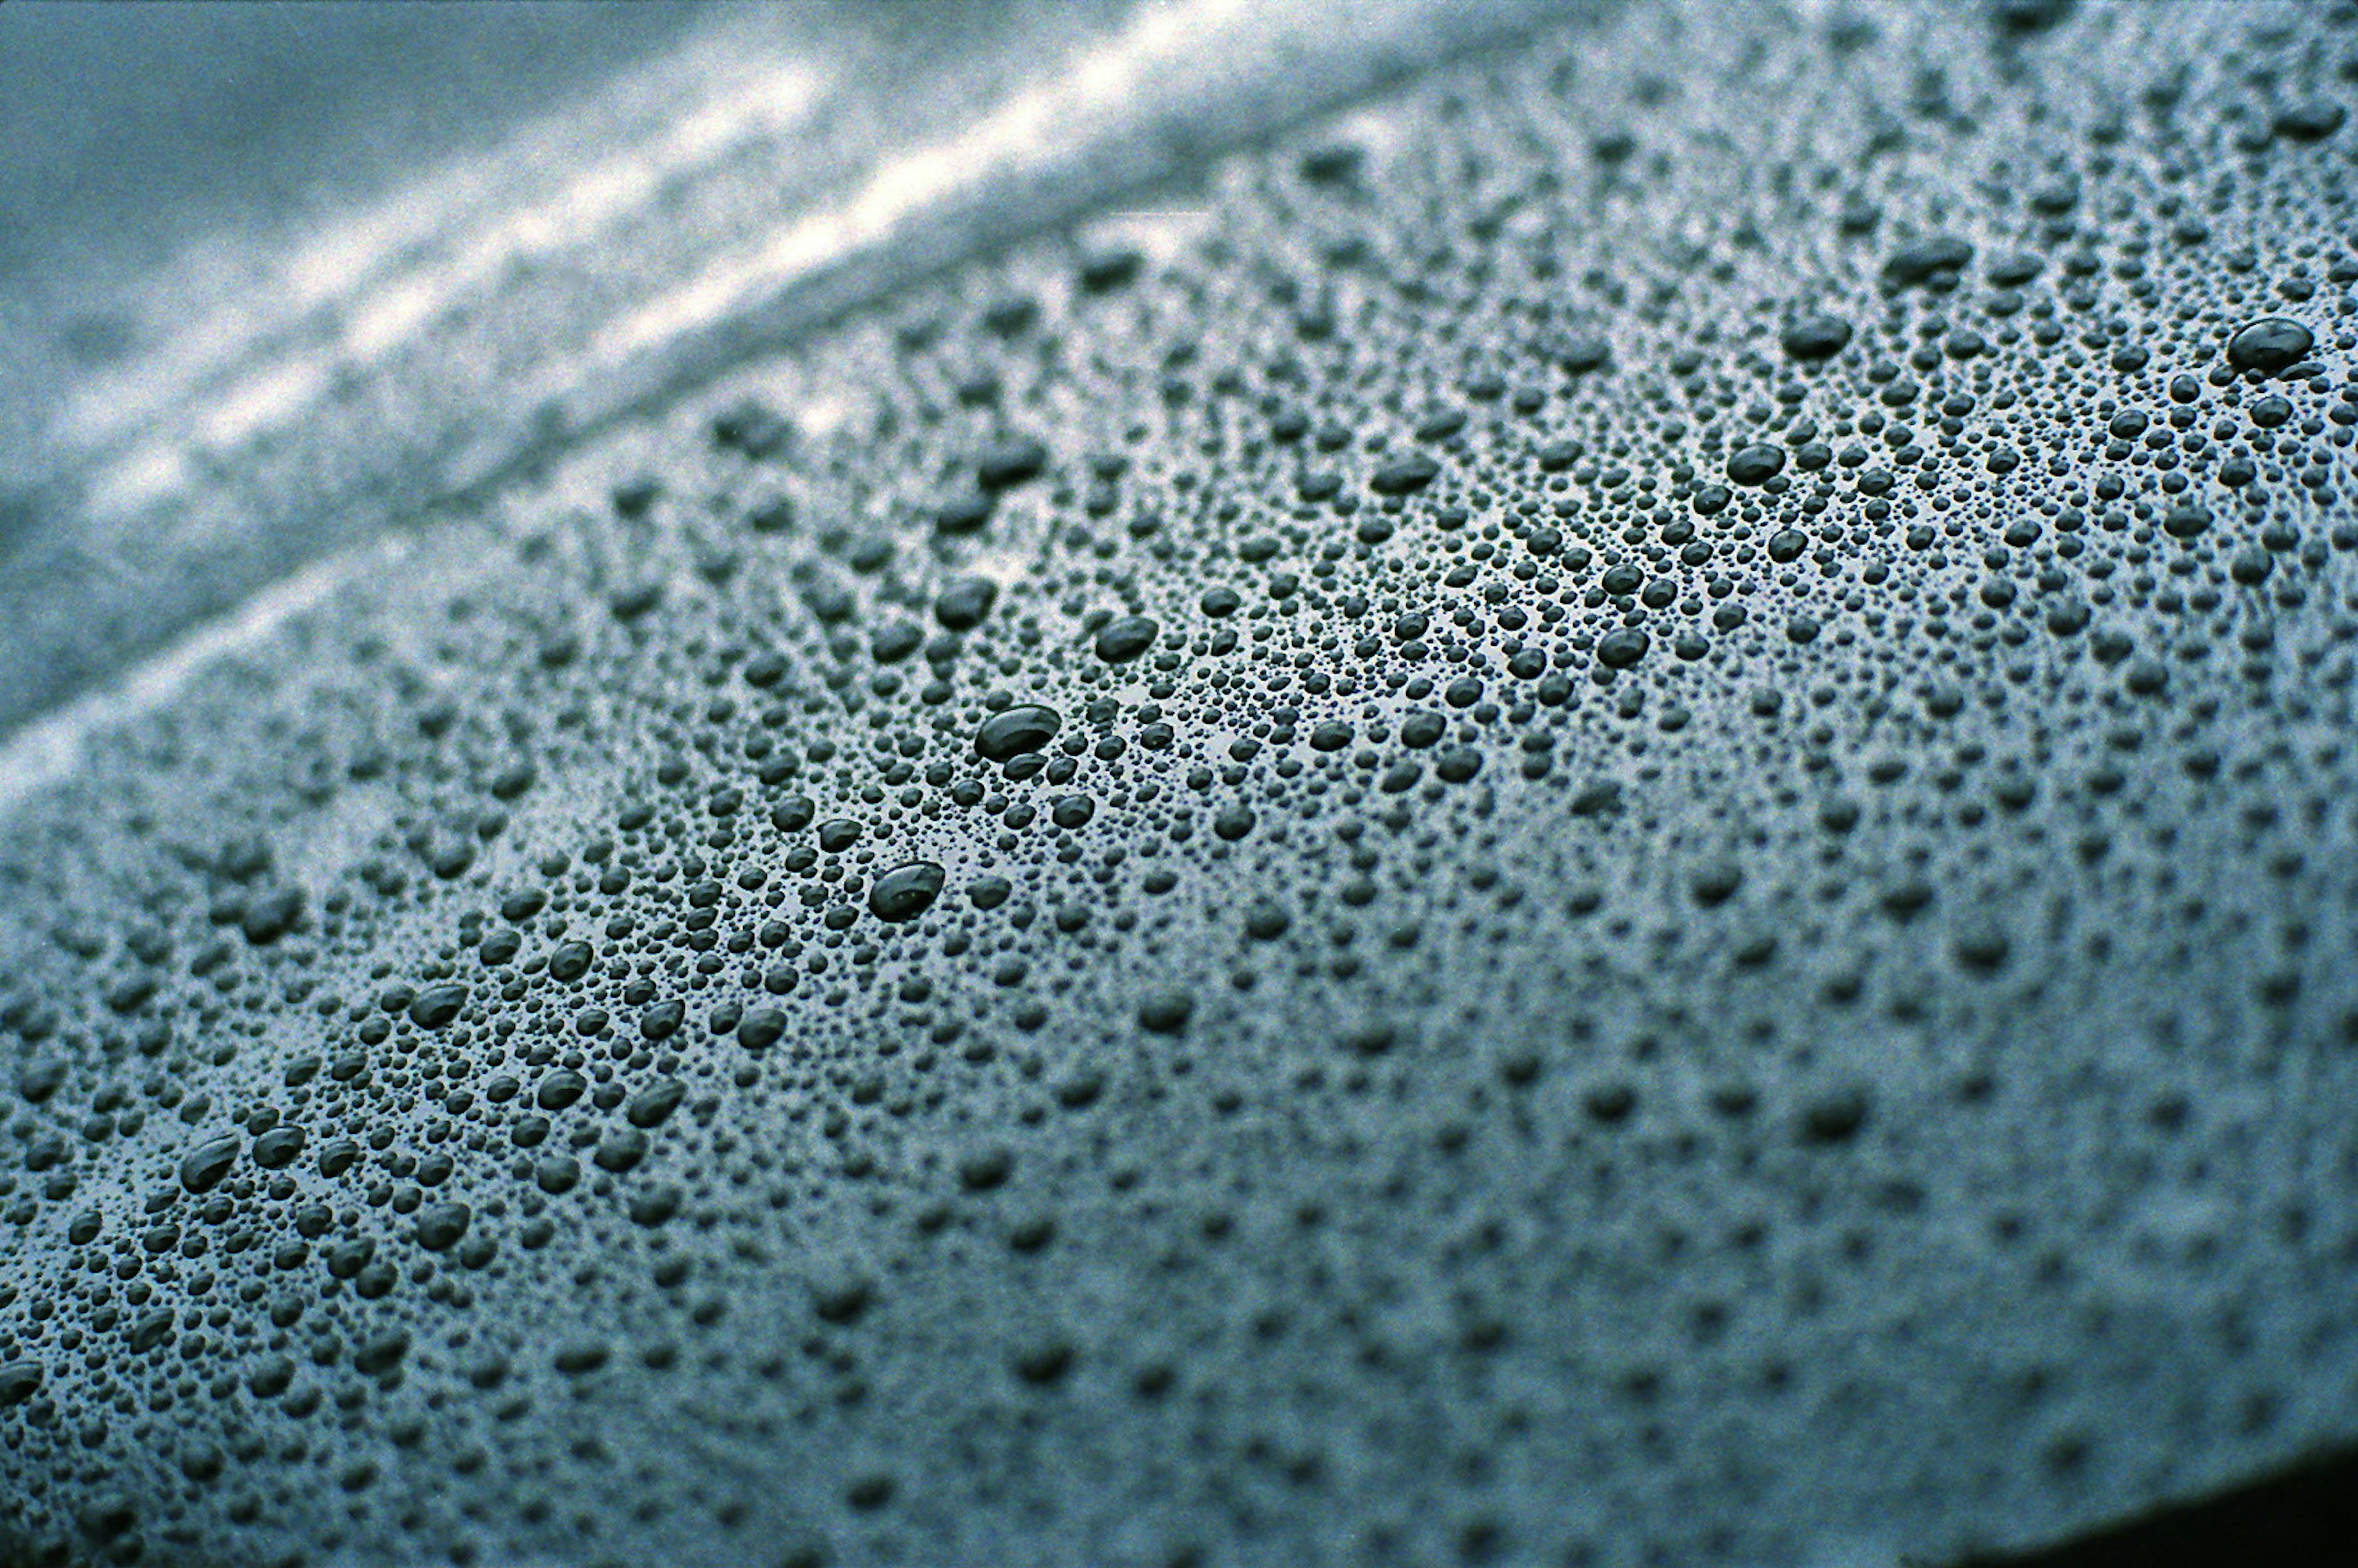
(1601, 821)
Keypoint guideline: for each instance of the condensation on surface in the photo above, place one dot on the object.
(1596, 816)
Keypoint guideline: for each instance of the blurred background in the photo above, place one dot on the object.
(276, 276)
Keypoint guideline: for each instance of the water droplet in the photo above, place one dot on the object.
(906, 892)
(1024, 728)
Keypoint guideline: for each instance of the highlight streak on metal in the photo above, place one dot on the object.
(612, 255)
